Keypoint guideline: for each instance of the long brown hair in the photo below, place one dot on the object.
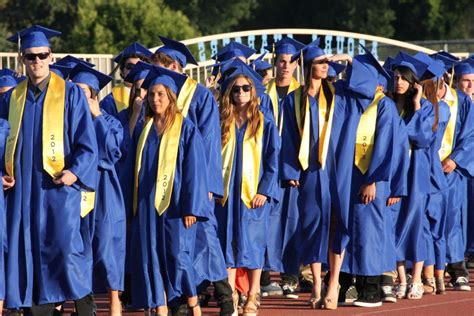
(407, 98)
(170, 113)
(430, 89)
(308, 74)
(228, 113)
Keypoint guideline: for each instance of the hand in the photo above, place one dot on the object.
(211, 195)
(8, 182)
(392, 201)
(417, 96)
(258, 201)
(210, 81)
(189, 221)
(137, 105)
(64, 177)
(341, 57)
(294, 183)
(448, 165)
(367, 193)
(94, 107)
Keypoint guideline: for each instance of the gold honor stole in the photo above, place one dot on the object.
(272, 92)
(448, 137)
(251, 159)
(121, 96)
(325, 127)
(168, 154)
(365, 137)
(186, 95)
(52, 132)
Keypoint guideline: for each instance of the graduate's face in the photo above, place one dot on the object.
(401, 85)
(466, 84)
(129, 63)
(284, 67)
(320, 68)
(158, 99)
(239, 96)
(36, 67)
(85, 88)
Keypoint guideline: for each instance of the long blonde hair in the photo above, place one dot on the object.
(170, 113)
(228, 113)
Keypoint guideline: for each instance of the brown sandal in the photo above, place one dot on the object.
(252, 305)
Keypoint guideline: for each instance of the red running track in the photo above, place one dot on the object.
(453, 303)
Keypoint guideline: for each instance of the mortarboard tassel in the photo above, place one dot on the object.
(273, 60)
(19, 67)
(302, 68)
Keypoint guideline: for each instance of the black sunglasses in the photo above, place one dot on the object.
(31, 56)
(320, 62)
(245, 88)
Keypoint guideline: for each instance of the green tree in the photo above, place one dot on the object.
(215, 16)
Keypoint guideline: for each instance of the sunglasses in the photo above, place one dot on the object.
(245, 88)
(129, 66)
(31, 56)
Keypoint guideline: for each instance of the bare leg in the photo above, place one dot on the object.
(162, 310)
(335, 263)
(193, 305)
(416, 271)
(316, 271)
(402, 276)
(1, 307)
(254, 280)
(439, 274)
(115, 305)
(428, 271)
(231, 274)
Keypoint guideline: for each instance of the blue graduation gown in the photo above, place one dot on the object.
(410, 240)
(43, 219)
(313, 200)
(243, 232)
(367, 223)
(470, 217)
(398, 188)
(162, 249)
(108, 216)
(284, 233)
(209, 261)
(108, 105)
(435, 219)
(457, 180)
(4, 131)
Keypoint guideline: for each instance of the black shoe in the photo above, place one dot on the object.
(180, 310)
(306, 286)
(289, 291)
(204, 299)
(369, 291)
(226, 308)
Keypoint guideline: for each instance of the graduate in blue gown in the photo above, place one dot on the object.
(284, 230)
(435, 215)
(8, 80)
(107, 221)
(419, 116)
(164, 230)
(250, 169)
(464, 78)
(44, 208)
(197, 103)
(305, 165)
(458, 165)
(118, 100)
(4, 130)
(366, 153)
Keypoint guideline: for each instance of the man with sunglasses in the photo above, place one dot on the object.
(50, 162)
(118, 99)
